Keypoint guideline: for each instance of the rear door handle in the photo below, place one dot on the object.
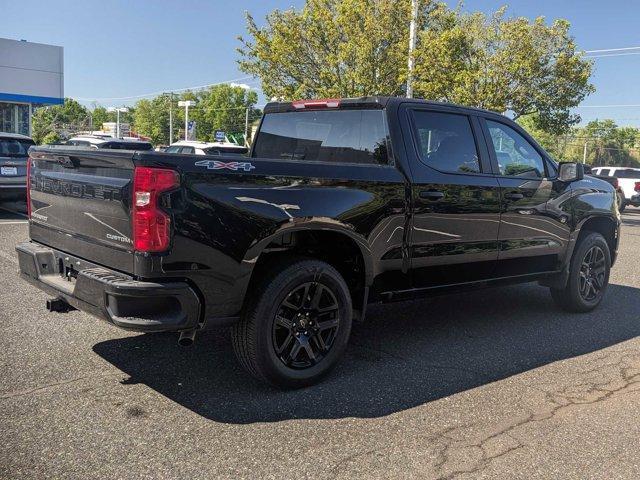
(432, 195)
(513, 196)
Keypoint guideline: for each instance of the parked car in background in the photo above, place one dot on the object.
(627, 179)
(107, 142)
(14, 150)
(206, 148)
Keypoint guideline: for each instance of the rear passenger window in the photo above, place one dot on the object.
(516, 156)
(446, 142)
(340, 136)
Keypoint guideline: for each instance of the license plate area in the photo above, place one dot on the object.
(9, 171)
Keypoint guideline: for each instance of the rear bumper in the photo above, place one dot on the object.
(143, 306)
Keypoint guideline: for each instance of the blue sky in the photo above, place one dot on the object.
(122, 48)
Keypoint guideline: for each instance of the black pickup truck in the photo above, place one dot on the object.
(339, 204)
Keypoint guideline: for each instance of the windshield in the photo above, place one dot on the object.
(11, 147)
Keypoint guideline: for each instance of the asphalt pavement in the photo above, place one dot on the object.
(491, 384)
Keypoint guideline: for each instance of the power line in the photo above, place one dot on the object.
(603, 50)
(612, 55)
(632, 105)
(200, 87)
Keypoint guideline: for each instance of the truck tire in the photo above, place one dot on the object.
(296, 325)
(588, 275)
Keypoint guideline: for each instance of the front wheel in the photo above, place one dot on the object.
(297, 327)
(588, 275)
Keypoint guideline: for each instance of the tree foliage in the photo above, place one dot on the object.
(68, 117)
(347, 48)
(220, 107)
(506, 65)
(606, 143)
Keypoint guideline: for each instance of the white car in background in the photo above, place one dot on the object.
(109, 142)
(206, 148)
(628, 179)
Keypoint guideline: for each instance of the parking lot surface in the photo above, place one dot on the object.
(491, 384)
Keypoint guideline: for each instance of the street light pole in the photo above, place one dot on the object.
(117, 110)
(246, 128)
(186, 104)
(170, 118)
(412, 46)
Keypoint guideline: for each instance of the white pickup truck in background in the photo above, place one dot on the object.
(628, 178)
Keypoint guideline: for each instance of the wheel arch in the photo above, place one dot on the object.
(331, 242)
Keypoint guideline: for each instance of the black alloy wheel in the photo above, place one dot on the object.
(592, 273)
(296, 324)
(305, 326)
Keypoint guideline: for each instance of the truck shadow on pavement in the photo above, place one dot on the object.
(403, 356)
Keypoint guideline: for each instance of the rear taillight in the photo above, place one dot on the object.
(151, 225)
(29, 187)
(320, 103)
(637, 187)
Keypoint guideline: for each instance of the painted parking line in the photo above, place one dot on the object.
(14, 222)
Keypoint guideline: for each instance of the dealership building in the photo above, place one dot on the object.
(31, 75)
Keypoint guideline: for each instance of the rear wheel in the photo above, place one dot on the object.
(298, 326)
(588, 275)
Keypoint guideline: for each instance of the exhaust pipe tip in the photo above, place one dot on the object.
(187, 338)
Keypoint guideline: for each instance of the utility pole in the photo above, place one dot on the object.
(170, 118)
(584, 153)
(412, 46)
(246, 128)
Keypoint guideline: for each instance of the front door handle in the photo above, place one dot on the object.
(432, 195)
(513, 196)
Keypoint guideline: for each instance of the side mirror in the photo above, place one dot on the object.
(571, 171)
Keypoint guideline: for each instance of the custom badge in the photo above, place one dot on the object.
(218, 165)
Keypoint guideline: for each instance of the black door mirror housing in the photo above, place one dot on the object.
(571, 171)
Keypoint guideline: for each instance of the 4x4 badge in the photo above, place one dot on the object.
(218, 165)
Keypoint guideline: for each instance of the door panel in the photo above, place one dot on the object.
(531, 237)
(456, 208)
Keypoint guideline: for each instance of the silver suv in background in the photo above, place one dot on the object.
(14, 151)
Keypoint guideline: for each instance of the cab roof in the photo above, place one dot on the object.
(373, 102)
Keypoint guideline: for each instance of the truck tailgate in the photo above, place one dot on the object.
(80, 203)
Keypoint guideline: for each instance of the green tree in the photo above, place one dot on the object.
(504, 64)
(332, 48)
(63, 119)
(51, 137)
(151, 119)
(223, 107)
(219, 107)
(100, 115)
(359, 47)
